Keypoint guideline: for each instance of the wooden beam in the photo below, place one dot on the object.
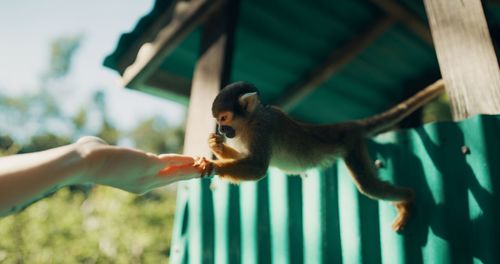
(406, 17)
(336, 60)
(186, 17)
(466, 56)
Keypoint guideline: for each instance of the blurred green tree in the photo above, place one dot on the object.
(155, 135)
(62, 51)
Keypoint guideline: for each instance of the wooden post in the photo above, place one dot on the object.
(211, 73)
(466, 56)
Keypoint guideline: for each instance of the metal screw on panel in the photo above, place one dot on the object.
(465, 150)
(177, 249)
(379, 164)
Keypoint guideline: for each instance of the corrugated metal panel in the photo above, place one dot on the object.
(320, 217)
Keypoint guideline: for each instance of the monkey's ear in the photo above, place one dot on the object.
(249, 101)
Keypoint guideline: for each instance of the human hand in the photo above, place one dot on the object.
(130, 169)
(204, 165)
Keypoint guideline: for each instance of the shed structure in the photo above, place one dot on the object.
(321, 61)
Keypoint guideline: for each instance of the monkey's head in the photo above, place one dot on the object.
(232, 107)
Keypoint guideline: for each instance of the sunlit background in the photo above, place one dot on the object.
(53, 90)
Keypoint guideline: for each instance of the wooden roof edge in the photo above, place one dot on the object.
(186, 16)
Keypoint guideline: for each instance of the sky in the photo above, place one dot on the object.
(27, 28)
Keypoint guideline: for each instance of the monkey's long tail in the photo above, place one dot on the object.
(388, 119)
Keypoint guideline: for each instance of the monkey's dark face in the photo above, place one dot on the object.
(232, 106)
(225, 124)
(231, 124)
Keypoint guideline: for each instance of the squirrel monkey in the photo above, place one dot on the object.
(268, 137)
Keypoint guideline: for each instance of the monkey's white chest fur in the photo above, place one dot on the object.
(295, 163)
(292, 161)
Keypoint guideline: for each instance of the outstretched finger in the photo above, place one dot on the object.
(175, 159)
(182, 172)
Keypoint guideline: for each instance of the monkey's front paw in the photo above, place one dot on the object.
(216, 143)
(404, 212)
(205, 166)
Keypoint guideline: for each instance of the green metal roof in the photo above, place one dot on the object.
(278, 42)
(128, 41)
(183, 59)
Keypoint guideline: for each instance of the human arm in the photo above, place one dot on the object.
(25, 177)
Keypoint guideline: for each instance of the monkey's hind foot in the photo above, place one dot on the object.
(404, 211)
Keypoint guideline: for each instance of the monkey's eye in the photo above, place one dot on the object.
(225, 118)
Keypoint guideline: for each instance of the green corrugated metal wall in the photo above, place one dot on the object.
(321, 218)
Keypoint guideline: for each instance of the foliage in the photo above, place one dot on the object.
(62, 51)
(160, 137)
(110, 226)
(437, 110)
